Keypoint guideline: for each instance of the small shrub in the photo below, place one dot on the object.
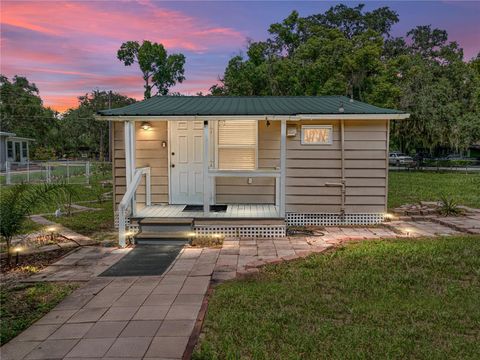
(449, 206)
(207, 241)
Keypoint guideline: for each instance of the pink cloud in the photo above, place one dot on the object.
(172, 28)
(69, 48)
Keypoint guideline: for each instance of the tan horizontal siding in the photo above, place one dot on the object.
(149, 153)
(244, 199)
(311, 167)
(309, 208)
(245, 189)
(320, 182)
(240, 181)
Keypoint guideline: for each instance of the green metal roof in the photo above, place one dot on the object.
(245, 105)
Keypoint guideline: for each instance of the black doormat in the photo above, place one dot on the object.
(213, 208)
(145, 260)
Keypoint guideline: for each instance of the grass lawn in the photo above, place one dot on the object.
(389, 299)
(411, 187)
(21, 305)
(29, 226)
(89, 222)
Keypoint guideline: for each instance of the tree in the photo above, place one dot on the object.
(159, 69)
(440, 91)
(79, 128)
(347, 51)
(17, 202)
(22, 110)
(338, 52)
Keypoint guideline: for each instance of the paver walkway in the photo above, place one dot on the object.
(153, 317)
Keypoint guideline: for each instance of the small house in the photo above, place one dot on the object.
(13, 149)
(248, 166)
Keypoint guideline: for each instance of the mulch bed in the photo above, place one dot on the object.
(29, 263)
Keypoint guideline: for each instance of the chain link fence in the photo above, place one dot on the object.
(68, 171)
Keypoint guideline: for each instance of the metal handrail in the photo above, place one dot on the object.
(128, 197)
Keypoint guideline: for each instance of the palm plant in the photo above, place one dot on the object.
(449, 206)
(17, 202)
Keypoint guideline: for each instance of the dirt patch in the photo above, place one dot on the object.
(28, 264)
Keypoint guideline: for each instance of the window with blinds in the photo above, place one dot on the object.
(237, 145)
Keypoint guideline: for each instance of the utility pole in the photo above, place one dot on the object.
(110, 128)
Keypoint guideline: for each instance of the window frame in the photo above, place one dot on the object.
(24, 150)
(330, 138)
(10, 150)
(218, 146)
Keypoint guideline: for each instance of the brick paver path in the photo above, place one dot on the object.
(153, 316)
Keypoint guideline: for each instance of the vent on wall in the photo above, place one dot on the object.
(334, 219)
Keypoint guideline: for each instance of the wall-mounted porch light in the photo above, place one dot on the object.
(146, 126)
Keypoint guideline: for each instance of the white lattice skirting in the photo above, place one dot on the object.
(334, 219)
(242, 231)
(128, 225)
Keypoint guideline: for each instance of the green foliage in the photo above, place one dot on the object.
(348, 51)
(79, 130)
(22, 110)
(159, 69)
(44, 153)
(17, 202)
(22, 305)
(89, 223)
(384, 299)
(449, 206)
(70, 194)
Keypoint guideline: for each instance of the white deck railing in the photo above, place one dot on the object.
(128, 199)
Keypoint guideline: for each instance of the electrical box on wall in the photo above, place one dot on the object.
(291, 131)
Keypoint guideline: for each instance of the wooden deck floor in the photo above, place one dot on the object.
(233, 211)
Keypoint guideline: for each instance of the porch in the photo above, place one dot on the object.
(233, 211)
(203, 164)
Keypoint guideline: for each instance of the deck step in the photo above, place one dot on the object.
(169, 225)
(163, 235)
(239, 222)
(166, 221)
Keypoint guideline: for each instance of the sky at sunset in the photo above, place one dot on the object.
(68, 48)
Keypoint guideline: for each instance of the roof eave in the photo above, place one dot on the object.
(398, 116)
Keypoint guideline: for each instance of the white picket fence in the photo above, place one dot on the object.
(68, 171)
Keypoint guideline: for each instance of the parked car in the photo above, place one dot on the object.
(398, 159)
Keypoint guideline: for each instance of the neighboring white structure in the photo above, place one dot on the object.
(13, 149)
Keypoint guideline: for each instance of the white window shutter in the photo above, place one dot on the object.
(237, 145)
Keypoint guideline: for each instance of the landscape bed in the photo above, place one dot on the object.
(411, 298)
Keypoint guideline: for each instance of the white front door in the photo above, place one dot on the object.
(186, 162)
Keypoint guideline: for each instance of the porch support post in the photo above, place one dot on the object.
(206, 176)
(132, 163)
(128, 153)
(283, 162)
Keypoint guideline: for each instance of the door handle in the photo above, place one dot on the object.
(172, 165)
